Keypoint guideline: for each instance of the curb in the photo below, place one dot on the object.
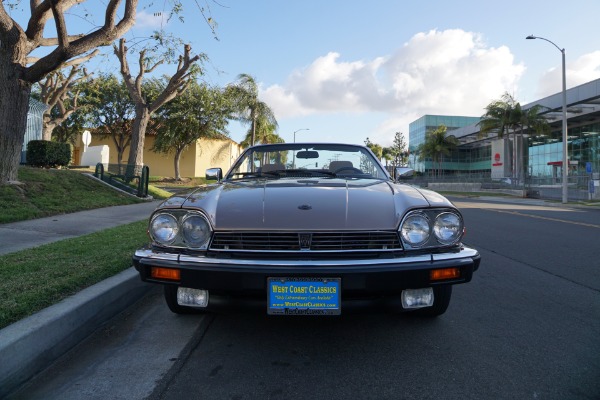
(32, 344)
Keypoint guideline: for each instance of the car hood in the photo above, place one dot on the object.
(306, 204)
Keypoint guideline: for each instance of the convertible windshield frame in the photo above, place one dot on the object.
(304, 160)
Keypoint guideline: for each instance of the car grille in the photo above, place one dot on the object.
(301, 241)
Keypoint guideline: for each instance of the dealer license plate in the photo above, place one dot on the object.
(304, 296)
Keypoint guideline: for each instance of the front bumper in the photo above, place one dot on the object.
(360, 278)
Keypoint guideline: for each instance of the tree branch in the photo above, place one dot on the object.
(121, 53)
(81, 60)
(54, 41)
(61, 25)
(178, 82)
(100, 37)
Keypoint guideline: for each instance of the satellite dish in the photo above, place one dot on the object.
(86, 137)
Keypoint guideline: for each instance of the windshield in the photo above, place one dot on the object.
(306, 160)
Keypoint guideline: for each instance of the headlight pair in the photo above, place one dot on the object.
(180, 229)
(431, 228)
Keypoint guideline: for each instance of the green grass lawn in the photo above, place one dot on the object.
(33, 279)
(48, 192)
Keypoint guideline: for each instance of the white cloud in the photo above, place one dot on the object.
(451, 72)
(327, 85)
(436, 72)
(145, 20)
(584, 69)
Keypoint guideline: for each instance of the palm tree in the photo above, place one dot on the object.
(389, 154)
(264, 133)
(248, 108)
(437, 145)
(505, 116)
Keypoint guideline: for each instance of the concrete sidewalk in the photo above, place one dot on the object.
(17, 236)
(32, 344)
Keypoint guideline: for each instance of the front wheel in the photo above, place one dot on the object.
(441, 300)
(174, 306)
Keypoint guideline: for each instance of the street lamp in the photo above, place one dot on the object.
(294, 156)
(565, 161)
(302, 129)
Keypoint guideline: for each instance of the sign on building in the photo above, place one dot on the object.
(500, 159)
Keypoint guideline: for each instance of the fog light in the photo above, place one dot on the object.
(417, 298)
(192, 297)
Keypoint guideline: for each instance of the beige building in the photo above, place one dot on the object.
(193, 162)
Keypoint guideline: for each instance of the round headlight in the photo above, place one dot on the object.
(415, 230)
(164, 229)
(196, 230)
(447, 228)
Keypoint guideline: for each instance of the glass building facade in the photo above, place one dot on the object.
(461, 160)
(541, 155)
(418, 128)
(545, 153)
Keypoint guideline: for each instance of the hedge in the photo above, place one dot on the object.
(42, 153)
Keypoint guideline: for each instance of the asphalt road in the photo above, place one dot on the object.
(526, 327)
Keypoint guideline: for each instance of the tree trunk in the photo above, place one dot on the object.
(14, 104)
(138, 134)
(253, 130)
(47, 130)
(120, 144)
(176, 161)
(120, 152)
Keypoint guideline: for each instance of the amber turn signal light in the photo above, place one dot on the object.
(445, 273)
(165, 273)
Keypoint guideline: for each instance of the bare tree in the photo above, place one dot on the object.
(57, 92)
(19, 71)
(143, 107)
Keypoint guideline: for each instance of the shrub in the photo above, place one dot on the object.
(42, 153)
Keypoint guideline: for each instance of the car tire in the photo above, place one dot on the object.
(441, 300)
(171, 299)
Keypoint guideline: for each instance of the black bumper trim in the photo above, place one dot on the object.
(360, 278)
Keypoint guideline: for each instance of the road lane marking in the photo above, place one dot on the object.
(504, 208)
(544, 218)
(508, 206)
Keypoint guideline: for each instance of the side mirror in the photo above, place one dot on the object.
(214, 174)
(403, 173)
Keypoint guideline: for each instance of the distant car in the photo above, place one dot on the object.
(307, 229)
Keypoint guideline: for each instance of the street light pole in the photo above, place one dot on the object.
(302, 129)
(294, 156)
(565, 155)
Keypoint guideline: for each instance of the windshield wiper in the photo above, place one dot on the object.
(310, 172)
(286, 173)
(253, 175)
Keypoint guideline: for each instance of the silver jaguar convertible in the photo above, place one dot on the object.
(307, 229)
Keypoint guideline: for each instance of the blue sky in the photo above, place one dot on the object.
(348, 69)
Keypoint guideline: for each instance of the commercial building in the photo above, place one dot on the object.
(538, 158)
(462, 160)
(195, 159)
